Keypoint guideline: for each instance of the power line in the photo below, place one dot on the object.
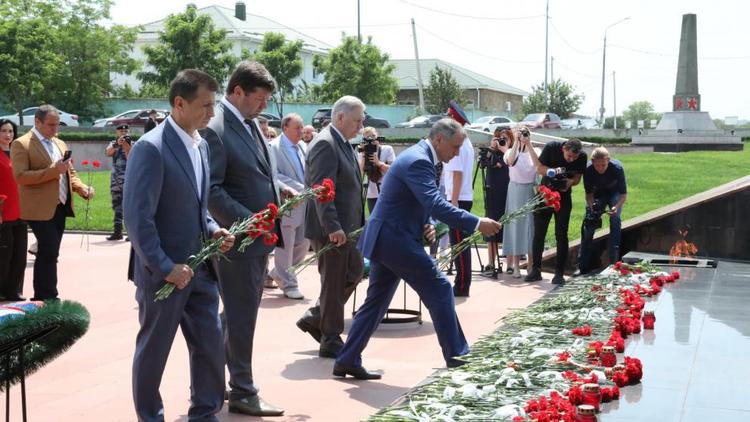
(597, 51)
(459, 15)
(376, 25)
(476, 52)
(576, 71)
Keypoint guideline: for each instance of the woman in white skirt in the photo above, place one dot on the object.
(522, 160)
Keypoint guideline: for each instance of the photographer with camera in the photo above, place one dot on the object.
(604, 181)
(495, 191)
(522, 161)
(118, 149)
(374, 161)
(561, 164)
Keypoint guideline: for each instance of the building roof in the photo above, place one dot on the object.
(406, 73)
(252, 28)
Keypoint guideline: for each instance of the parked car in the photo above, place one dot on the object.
(325, 114)
(138, 120)
(426, 120)
(583, 123)
(273, 120)
(490, 123)
(124, 115)
(66, 119)
(541, 121)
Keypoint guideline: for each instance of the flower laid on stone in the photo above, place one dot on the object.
(534, 367)
(260, 224)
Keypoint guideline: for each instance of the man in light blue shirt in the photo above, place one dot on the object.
(290, 158)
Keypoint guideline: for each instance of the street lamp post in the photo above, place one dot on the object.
(604, 65)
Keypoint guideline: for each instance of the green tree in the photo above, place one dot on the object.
(59, 52)
(91, 52)
(640, 110)
(442, 88)
(305, 93)
(188, 41)
(282, 58)
(358, 69)
(562, 100)
(27, 52)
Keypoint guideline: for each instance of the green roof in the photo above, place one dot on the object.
(406, 74)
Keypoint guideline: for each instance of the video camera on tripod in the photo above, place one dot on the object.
(593, 217)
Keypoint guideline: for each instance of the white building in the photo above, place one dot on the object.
(244, 31)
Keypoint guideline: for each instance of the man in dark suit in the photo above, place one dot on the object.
(151, 122)
(165, 205)
(46, 182)
(242, 183)
(392, 241)
(331, 155)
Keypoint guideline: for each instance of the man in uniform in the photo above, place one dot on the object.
(118, 149)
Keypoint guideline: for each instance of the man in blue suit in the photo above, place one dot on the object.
(408, 198)
(165, 205)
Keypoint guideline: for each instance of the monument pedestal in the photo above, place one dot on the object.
(680, 131)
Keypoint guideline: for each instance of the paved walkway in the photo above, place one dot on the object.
(92, 382)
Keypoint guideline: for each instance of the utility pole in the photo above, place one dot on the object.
(552, 69)
(604, 64)
(359, 34)
(614, 97)
(419, 71)
(546, 52)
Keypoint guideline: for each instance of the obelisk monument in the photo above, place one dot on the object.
(686, 127)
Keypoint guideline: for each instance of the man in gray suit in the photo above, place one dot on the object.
(330, 155)
(242, 183)
(165, 199)
(290, 158)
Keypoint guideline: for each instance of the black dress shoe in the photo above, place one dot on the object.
(307, 327)
(455, 363)
(15, 298)
(558, 279)
(533, 275)
(358, 372)
(254, 406)
(115, 236)
(331, 348)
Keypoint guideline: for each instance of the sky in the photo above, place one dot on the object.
(505, 40)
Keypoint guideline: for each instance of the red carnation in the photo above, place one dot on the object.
(518, 419)
(270, 239)
(575, 395)
(615, 393)
(563, 357)
(676, 275)
(96, 163)
(620, 378)
(85, 163)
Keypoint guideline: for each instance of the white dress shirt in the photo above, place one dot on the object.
(191, 142)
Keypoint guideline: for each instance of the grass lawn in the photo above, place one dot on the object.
(654, 180)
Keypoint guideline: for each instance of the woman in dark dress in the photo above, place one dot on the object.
(495, 194)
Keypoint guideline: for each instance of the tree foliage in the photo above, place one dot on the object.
(562, 100)
(283, 60)
(188, 41)
(358, 69)
(59, 52)
(442, 88)
(641, 110)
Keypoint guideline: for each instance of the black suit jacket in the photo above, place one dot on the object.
(330, 156)
(242, 179)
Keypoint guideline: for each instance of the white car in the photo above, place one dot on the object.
(66, 119)
(490, 123)
(584, 123)
(124, 115)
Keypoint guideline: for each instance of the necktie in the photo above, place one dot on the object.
(438, 172)
(54, 155)
(260, 140)
(299, 160)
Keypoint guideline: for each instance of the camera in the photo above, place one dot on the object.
(485, 157)
(369, 148)
(525, 132)
(558, 179)
(593, 217)
(128, 139)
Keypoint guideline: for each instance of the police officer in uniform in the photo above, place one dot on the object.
(118, 149)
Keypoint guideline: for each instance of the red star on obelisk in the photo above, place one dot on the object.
(692, 104)
(678, 104)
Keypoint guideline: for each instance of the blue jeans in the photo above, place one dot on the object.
(615, 234)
